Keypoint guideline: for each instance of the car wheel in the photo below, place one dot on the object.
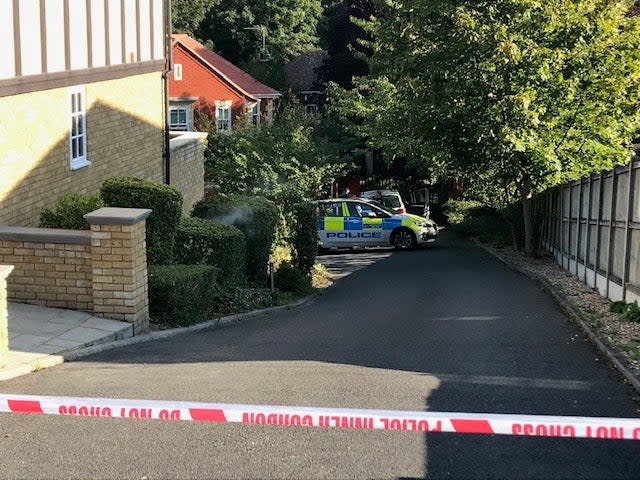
(403, 239)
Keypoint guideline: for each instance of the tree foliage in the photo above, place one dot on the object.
(233, 27)
(512, 94)
(286, 161)
(186, 15)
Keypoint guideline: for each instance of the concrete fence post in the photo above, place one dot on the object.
(119, 263)
(5, 270)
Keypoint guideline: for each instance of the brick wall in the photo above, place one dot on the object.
(103, 271)
(124, 134)
(187, 167)
(54, 272)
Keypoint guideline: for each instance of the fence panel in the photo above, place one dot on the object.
(592, 226)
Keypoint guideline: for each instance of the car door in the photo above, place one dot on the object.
(419, 202)
(372, 218)
(331, 227)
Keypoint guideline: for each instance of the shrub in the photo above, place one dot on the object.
(288, 278)
(181, 294)
(618, 307)
(235, 299)
(632, 312)
(69, 211)
(205, 242)
(164, 200)
(457, 211)
(304, 236)
(256, 217)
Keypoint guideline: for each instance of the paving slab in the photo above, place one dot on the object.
(38, 336)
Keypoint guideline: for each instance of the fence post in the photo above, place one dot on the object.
(627, 233)
(596, 266)
(612, 212)
(587, 242)
(561, 216)
(578, 223)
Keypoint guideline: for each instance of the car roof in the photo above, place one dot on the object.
(383, 192)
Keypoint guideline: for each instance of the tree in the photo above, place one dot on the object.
(235, 28)
(520, 94)
(342, 40)
(187, 14)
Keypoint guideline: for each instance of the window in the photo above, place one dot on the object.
(178, 119)
(311, 109)
(77, 128)
(177, 71)
(326, 209)
(223, 119)
(255, 114)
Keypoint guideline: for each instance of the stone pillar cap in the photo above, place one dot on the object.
(117, 216)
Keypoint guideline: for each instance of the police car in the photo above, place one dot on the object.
(350, 223)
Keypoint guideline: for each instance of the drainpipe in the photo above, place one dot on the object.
(168, 28)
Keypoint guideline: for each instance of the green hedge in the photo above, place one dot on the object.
(181, 294)
(164, 200)
(304, 236)
(288, 278)
(205, 242)
(69, 211)
(256, 217)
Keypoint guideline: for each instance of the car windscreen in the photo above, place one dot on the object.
(381, 207)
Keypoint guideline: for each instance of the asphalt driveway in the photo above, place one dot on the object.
(448, 328)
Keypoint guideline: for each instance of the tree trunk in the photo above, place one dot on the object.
(526, 192)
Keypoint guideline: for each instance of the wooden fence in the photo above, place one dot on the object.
(592, 227)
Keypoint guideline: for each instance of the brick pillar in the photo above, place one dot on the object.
(119, 263)
(5, 270)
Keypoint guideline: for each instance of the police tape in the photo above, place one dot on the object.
(358, 419)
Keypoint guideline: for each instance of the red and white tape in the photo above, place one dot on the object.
(478, 423)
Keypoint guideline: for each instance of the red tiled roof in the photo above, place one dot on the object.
(241, 79)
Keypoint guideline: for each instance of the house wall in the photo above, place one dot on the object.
(124, 122)
(198, 81)
(187, 167)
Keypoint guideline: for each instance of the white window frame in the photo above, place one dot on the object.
(177, 71)
(255, 114)
(179, 126)
(223, 114)
(78, 127)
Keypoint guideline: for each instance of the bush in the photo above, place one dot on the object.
(181, 294)
(164, 200)
(618, 307)
(288, 278)
(304, 236)
(206, 242)
(256, 217)
(457, 211)
(235, 299)
(69, 211)
(632, 312)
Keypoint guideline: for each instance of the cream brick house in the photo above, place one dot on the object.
(82, 94)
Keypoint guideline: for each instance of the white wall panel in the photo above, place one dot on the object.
(145, 31)
(7, 65)
(158, 29)
(98, 53)
(30, 48)
(130, 31)
(54, 10)
(78, 34)
(115, 32)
